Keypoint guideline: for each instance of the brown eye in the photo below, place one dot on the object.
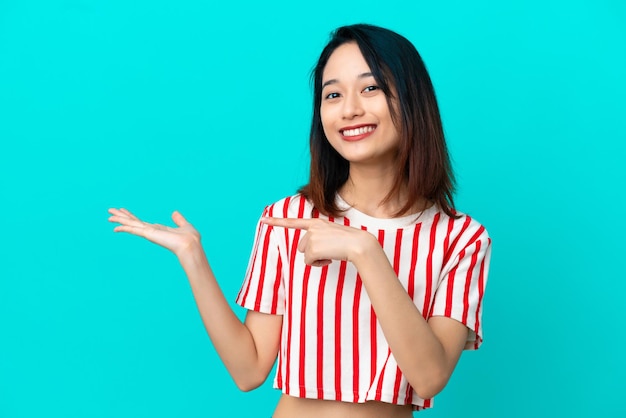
(331, 96)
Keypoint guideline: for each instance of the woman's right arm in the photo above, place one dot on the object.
(247, 349)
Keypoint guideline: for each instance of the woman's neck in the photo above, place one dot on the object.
(367, 188)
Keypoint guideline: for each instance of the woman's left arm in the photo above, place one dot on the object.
(426, 351)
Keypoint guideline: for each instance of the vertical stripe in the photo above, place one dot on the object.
(409, 394)
(468, 281)
(338, 310)
(481, 290)
(411, 281)
(396, 249)
(245, 294)
(320, 334)
(446, 241)
(450, 251)
(255, 249)
(320, 330)
(396, 269)
(294, 246)
(277, 281)
(303, 356)
(429, 267)
(279, 368)
(355, 334)
(379, 385)
(450, 286)
(373, 319)
(355, 338)
(266, 244)
(373, 342)
(286, 215)
(396, 386)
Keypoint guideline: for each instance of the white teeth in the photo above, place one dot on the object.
(358, 131)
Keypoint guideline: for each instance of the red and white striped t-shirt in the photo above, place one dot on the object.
(332, 346)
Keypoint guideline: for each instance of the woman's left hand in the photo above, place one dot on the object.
(325, 241)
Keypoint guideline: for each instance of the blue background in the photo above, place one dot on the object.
(204, 108)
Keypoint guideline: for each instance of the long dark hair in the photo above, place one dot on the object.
(423, 160)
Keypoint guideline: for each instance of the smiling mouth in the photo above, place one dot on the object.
(358, 131)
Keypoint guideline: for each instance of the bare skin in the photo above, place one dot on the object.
(289, 407)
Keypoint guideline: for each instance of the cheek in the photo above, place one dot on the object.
(326, 119)
(382, 108)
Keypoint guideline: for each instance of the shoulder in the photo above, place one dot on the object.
(468, 227)
(460, 234)
(296, 206)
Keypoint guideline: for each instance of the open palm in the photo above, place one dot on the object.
(174, 239)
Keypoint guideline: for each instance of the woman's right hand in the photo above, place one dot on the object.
(177, 240)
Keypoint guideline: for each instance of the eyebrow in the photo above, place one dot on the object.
(335, 81)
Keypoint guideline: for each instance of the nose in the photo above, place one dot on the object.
(352, 106)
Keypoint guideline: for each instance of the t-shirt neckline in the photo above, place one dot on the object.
(357, 217)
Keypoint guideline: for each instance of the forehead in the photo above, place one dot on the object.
(346, 62)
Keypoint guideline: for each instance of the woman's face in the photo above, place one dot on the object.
(354, 110)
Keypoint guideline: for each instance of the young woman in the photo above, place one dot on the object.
(367, 284)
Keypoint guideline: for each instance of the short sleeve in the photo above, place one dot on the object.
(459, 294)
(263, 289)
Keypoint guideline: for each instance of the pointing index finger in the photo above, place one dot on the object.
(287, 222)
